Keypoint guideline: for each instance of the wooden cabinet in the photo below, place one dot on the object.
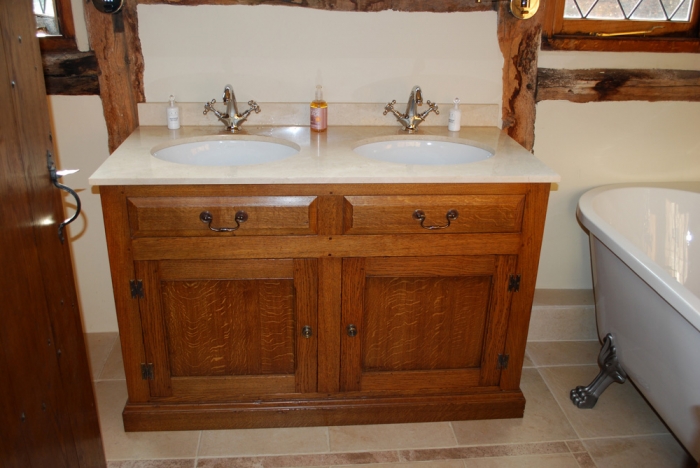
(322, 304)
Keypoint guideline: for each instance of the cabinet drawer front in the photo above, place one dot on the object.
(395, 214)
(180, 216)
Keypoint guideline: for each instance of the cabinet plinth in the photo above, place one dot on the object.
(329, 305)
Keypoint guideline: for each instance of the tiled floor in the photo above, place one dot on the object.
(621, 431)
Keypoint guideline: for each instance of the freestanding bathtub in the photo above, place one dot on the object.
(645, 254)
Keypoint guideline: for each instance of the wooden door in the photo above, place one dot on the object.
(424, 323)
(47, 410)
(221, 330)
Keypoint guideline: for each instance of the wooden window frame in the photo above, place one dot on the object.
(561, 34)
(66, 41)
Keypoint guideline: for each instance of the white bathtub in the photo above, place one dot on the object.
(645, 254)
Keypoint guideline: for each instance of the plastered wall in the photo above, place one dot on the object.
(277, 53)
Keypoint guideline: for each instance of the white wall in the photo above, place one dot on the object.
(80, 136)
(279, 54)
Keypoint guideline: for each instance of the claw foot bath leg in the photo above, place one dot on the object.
(610, 371)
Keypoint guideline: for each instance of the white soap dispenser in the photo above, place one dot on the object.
(173, 114)
(454, 123)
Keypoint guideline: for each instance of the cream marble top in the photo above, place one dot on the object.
(326, 157)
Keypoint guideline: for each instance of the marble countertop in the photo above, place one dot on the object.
(326, 157)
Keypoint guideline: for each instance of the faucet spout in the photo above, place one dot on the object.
(412, 118)
(231, 119)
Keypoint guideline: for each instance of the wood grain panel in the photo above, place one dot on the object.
(431, 266)
(230, 387)
(414, 323)
(154, 248)
(353, 271)
(329, 324)
(306, 306)
(394, 214)
(442, 381)
(174, 270)
(324, 412)
(179, 216)
(230, 327)
(154, 330)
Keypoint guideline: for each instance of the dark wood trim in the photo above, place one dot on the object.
(622, 44)
(618, 85)
(520, 42)
(70, 72)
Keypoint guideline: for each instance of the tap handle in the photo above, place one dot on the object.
(389, 107)
(254, 106)
(433, 107)
(208, 106)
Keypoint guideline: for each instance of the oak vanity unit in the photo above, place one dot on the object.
(331, 303)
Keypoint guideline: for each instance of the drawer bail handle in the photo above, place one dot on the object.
(206, 217)
(419, 215)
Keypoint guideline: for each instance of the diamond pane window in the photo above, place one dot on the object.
(622, 10)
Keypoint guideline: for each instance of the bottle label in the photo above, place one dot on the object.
(319, 118)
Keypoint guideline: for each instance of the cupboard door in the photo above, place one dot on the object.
(222, 329)
(424, 323)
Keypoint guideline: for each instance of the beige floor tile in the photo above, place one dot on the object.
(527, 362)
(99, 345)
(561, 353)
(279, 441)
(114, 366)
(661, 451)
(425, 464)
(543, 420)
(120, 445)
(180, 463)
(565, 460)
(563, 297)
(555, 323)
(621, 410)
(391, 436)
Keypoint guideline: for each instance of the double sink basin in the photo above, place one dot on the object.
(235, 150)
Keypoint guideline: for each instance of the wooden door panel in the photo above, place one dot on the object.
(422, 322)
(229, 327)
(419, 323)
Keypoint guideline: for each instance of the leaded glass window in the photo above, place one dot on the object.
(620, 10)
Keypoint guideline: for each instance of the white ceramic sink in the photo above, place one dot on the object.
(422, 151)
(225, 151)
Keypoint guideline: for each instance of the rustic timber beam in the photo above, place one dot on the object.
(70, 73)
(437, 6)
(618, 85)
(520, 43)
(114, 38)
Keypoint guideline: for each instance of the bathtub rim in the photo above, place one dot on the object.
(677, 295)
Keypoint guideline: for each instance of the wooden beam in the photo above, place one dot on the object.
(442, 6)
(520, 43)
(70, 72)
(114, 38)
(618, 85)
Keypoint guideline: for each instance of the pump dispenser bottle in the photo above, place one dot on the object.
(319, 112)
(455, 121)
(173, 114)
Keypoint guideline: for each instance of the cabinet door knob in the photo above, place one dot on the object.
(306, 331)
(352, 330)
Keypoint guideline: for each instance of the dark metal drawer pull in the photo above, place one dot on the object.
(206, 217)
(419, 215)
(352, 330)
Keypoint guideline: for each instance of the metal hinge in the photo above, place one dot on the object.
(503, 361)
(136, 288)
(514, 283)
(147, 371)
